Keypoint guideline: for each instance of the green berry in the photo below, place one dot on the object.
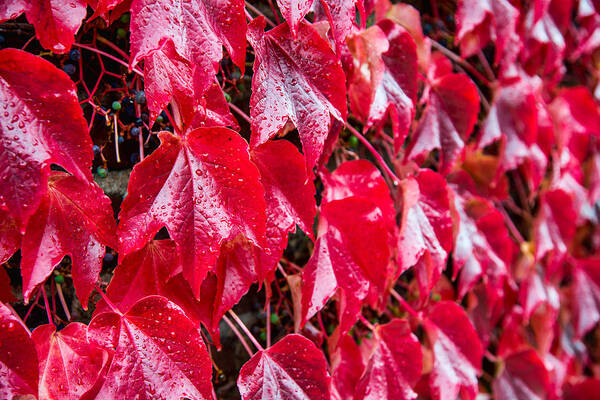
(353, 141)
(124, 18)
(102, 172)
(159, 119)
(436, 297)
(228, 97)
(59, 279)
(274, 318)
(121, 33)
(263, 336)
(116, 105)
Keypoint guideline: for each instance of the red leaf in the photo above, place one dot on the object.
(70, 365)
(294, 12)
(483, 245)
(457, 352)
(524, 376)
(33, 136)
(300, 80)
(292, 368)
(481, 22)
(447, 121)
(149, 272)
(198, 30)
(56, 22)
(586, 295)
(10, 237)
(346, 368)
(394, 365)
(513, 122)
(74, 218)
(289, 194)
(203, 189)
(11, 9)
(583, 390)
(555, 224)
(385, 82)
(343, 259)
(360, 178)
(6, 295)
(340, 14)
(158, 352)
(425, 236)
(18, 359)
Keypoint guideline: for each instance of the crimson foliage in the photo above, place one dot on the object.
(453, 241)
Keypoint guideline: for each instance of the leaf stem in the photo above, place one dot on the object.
(268, 325)
(240, 112)
(35, 302)
(113, 46)
(258, 12)
(238, 334)
(107, 301)
(378, 157)
(62, 301)
(405, 305)
(115, 59)
(50, 321)
(366, 322)
(245, 329)
(116, 138)
(461, 61)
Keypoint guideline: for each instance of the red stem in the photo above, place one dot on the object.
(240, 112)
(258, 12)
(459, 60)
(35, 302)
(366, 322)
(238, 334)
(246, 331)
(107, 301)
(405, 305)
(268, 325)
(47, 306)
(63, 302)
(113, 46)
(115, 59)
(380, 160)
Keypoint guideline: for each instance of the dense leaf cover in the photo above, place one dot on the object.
(438, 164)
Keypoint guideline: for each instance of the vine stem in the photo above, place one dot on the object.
(378, 157)
(461, 61)
(115, 59)
(268, 325)
(366, 322)
(116, 138)
(62, 301)
(47, 306)
(240, 112)
(245, 329)
(238, 334)
(35, 302)
(112, 46)
(107, 301)
(12, 310)
(405, 305)
(511, 226)
(258, 12)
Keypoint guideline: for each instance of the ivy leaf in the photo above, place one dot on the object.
(343, 260)
(291, 369)
(360, 178)
(481, 22)
(6, 295)
(457, 352)
(74, 218)
(394, 365)
(341, 15)
(42, 123)
(447, 122)
(10, 236)
(347, 367)
(158, 352)
(300, 80)
(385, 82)
(483, 245)
(198, 30)
(18, 359)
(56, 22)
(523, 376)
(425, 236)
(70, 365)
(289, 194)
(204, 189)
(585, 295)
(294, 12)
(555, 223)
(150, 271)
